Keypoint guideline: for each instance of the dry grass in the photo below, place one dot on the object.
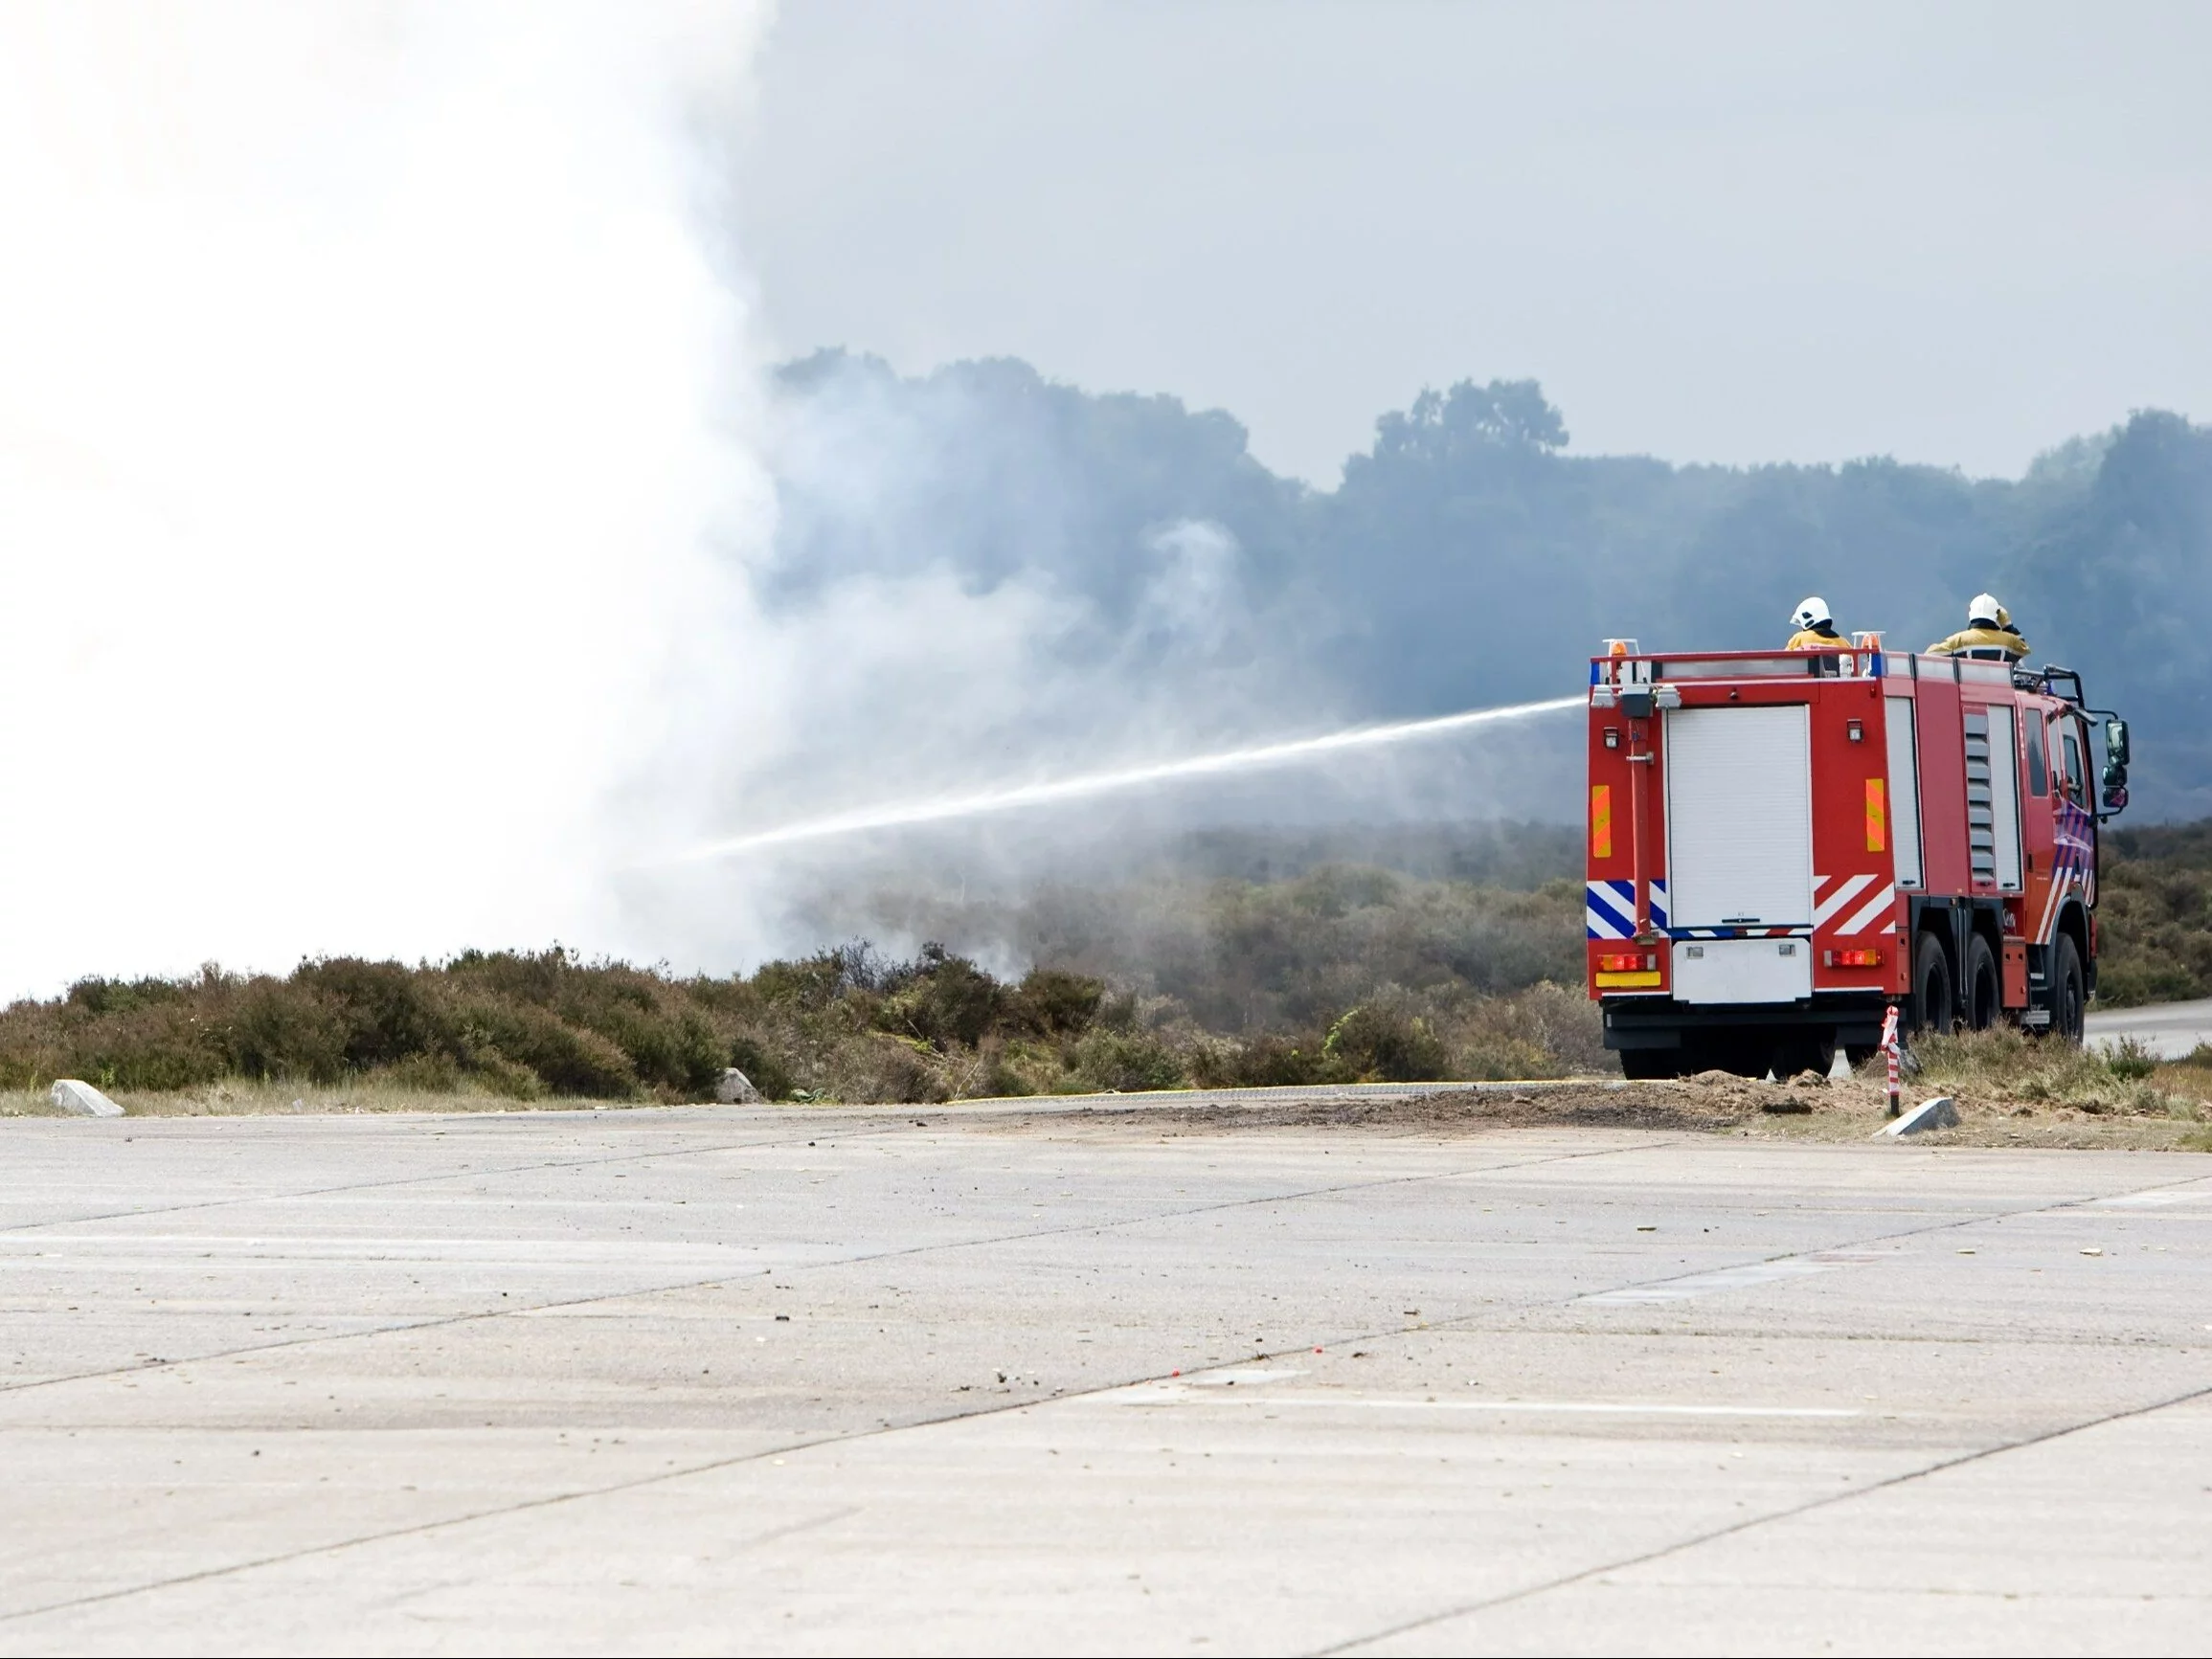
(2006, 1067)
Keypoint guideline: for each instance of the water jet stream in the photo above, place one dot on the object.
(903, 813)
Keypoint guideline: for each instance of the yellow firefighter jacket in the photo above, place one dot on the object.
(1988, 643)
(1814, 639)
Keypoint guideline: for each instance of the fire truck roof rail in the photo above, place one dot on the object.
(1847, 661)
(2062, 682)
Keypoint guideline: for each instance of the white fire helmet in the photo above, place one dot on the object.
(1985, 611)
(1814, 612)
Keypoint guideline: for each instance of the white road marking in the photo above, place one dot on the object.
(2154, 1200)
(1694, 1284)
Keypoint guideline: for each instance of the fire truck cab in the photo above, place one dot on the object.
(1784, 843)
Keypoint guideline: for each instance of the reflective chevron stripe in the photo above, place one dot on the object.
(1608, 909)
(1884, 905)
(1844, 893)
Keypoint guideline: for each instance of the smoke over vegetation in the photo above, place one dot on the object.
(1161, 591)
(1469, 559)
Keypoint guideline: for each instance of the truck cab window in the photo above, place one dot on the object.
(2074, 768)
(2039, 774)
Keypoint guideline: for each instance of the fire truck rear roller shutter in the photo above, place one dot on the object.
(1903, 789)
(2005, 797)
(1739, 830)
(1980, 818)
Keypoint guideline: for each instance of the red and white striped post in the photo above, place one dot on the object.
(1889, 1048)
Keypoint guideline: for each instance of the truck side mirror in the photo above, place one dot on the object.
(2115, 800)
(2116, 744)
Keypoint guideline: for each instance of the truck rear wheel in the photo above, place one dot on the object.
(1931, 982)
(1647, 1064)
(2070, 994)
(1984, 991)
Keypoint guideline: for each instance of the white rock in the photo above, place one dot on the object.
(1937, 1113)
(82, 1100)
(736, 1089)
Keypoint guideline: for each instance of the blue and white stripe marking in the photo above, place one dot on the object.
(1608, 909)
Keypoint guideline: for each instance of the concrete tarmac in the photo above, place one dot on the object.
(2171, 1030)
(797, 1380)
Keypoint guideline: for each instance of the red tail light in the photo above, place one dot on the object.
(1625, 961)
(1868, 957)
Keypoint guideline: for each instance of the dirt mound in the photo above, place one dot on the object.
(1806, 1107)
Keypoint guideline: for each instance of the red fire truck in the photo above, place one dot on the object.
(1784, 843)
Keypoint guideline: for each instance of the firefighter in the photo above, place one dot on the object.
(1815, 628)
(1988, 636)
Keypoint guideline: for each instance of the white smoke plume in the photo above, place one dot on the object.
(389, 496)
(376, 459)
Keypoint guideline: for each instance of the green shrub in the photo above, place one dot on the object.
(1374, 1043)
(386, 1012)
(1265, 1062)
(2130, 1060)
(1051, 1002)
(148, 1045)
(881, 1067)
(945, 1000)
(1125, 1061)
(121, 996)
(1000, 1075)
(564, 1059)
(285, 1030)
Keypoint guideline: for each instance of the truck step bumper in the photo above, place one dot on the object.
(1853, 1018)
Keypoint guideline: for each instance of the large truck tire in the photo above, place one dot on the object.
(1651, 1064)
(1984, 989)
(2069, 990)
(1931, 1007)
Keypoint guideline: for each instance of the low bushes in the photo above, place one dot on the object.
(1336, 974)
(2154, 914)
(846, 1025)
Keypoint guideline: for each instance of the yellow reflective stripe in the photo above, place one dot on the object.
(1601, 821)
(1641, 979)
(1877, 816)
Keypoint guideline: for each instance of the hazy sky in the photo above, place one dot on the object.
(1715, 232)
